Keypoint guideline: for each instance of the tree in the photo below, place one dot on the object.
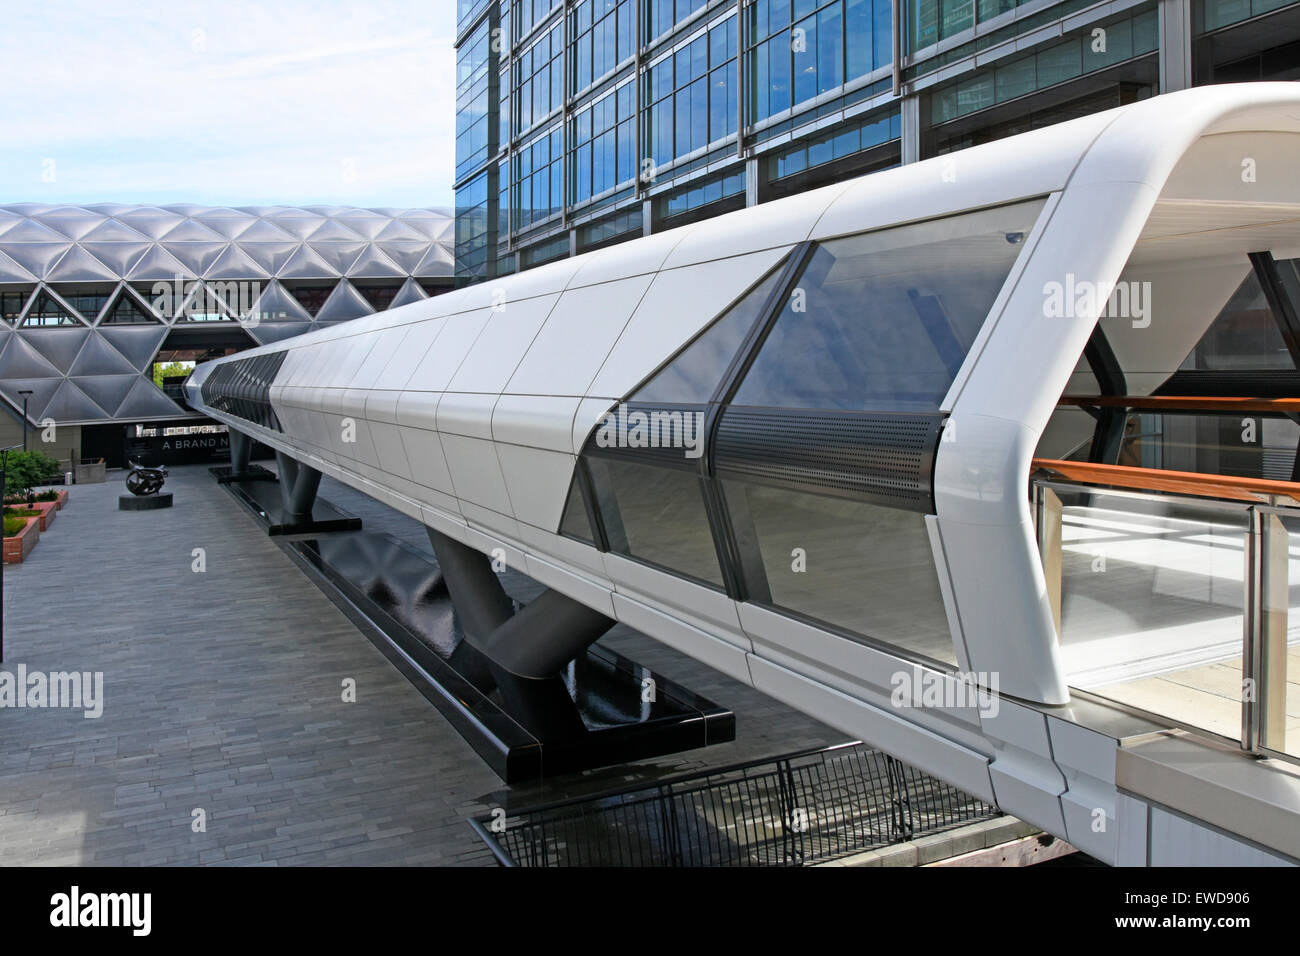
(170, 370)
(26, 469)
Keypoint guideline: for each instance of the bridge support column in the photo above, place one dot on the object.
(241, 449)
(535, 643)
(298, 485)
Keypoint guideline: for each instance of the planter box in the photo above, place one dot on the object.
(61, 500)
(48, 510)
(21, 544)
(94, 474)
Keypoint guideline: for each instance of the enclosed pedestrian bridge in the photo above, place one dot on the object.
(989, 461)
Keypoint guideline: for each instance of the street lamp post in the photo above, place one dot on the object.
(4, 464)
(24, 393)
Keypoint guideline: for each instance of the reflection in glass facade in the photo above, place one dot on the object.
(883, 321)
(582, 118)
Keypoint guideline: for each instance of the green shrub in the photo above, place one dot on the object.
(13, 525)
(48, 496)
(23, 512)
(25, 470)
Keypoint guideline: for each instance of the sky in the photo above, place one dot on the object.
(225, 102)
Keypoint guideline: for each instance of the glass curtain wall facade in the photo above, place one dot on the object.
(586, 122)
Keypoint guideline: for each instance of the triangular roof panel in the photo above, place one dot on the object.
(58, 346)
(198, 256)
(42, 390)
(407, 253)
(373, 264)
(107, 391)
(139, 343)
(146, 400)
(270, 256)
(306, 263)
(35, 257)
(11, 271)
(29, 230)
(344, 303)
(21, 360)
(191, 230)
(399, 230)
(150, 220)
(438, 262)
(97, 357)
(278, 331)
(118, 256)
(71, 404)
(159, 265)
(262, 231)
(234, 263)
(340, 255)
(277, 305)
(78, 265)
(112, 230)
(411, 291)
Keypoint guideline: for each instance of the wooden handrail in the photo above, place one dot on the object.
(1171, 403)
(1179, 482)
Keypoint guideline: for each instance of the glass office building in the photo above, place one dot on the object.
(582, 123)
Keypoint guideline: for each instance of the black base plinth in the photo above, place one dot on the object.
(263, 499)
(162, 499)
(591, 715)
(226, 475)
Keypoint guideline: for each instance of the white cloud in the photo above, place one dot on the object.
(294, 102)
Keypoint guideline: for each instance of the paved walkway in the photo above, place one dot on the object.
(223, 693)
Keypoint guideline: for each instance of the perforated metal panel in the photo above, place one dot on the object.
(883, 458)
(242, 388)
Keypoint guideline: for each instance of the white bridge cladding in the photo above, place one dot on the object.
(877, 367)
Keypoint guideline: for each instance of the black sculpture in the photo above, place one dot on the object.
(145, 481)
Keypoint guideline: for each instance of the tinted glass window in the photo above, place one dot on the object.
(883, 320)
(694, 374)
(1244, 335)
(656, 515)
(574, 522)
(860, 567)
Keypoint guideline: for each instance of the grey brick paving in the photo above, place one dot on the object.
(222, 692)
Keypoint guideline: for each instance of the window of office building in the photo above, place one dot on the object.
(602, 38)
(603, 144)
(529, 13)
(800, 49)
(45, 311)
(840, 143)
(539, 79)
(475, 63)
(11, 304)
(692, 94)
(471, 228)
(721, 193)
(662, 15)
(1245, 41)
(1126, 37)
(538, 172)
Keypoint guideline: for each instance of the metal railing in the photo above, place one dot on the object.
(1247, 623)
(793, 810)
